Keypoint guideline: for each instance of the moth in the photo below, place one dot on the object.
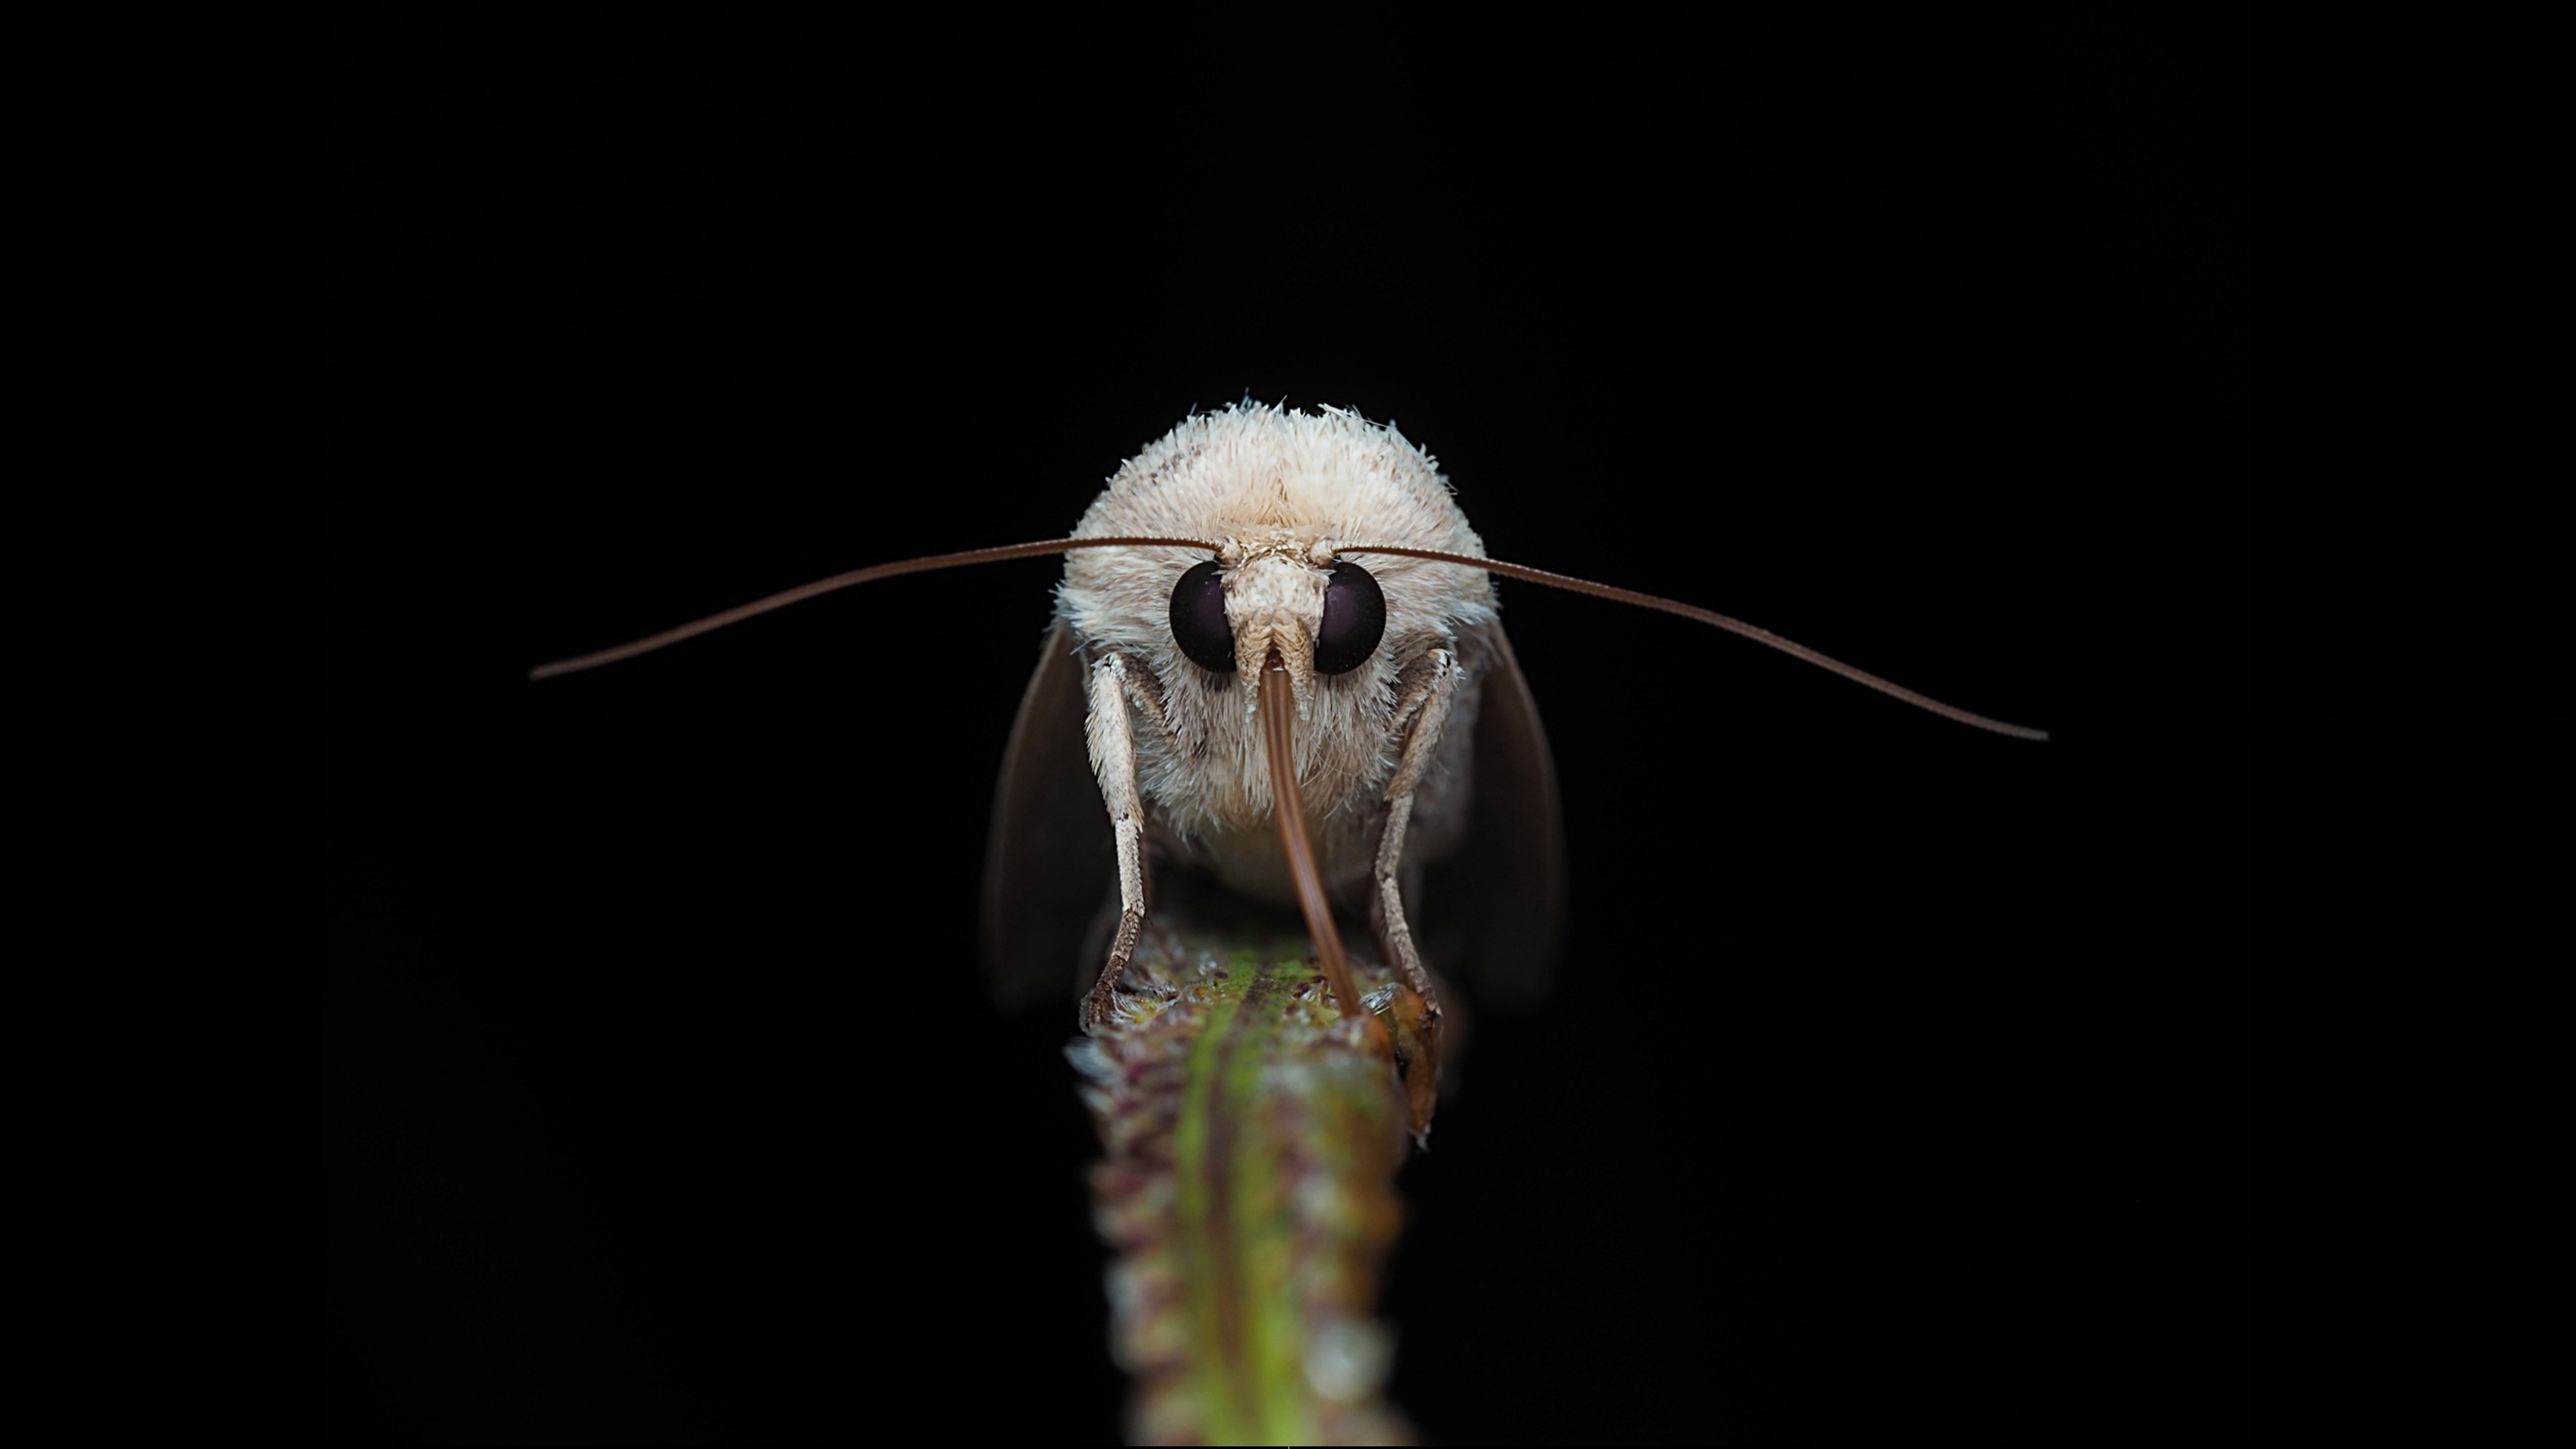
(1276, 661)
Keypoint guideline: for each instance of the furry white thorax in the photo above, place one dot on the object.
(1282, 490)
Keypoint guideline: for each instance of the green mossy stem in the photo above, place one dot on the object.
(1252, 1134)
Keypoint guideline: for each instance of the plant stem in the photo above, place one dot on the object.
(1252, 1133)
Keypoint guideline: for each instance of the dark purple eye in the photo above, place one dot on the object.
(1354, 620)
(1198, 618)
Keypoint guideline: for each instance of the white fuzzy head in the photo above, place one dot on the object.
(1283, 490)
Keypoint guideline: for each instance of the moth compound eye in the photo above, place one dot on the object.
(1198, 619)
(1354, 620)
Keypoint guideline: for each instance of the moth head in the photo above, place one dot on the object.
(1322, 616)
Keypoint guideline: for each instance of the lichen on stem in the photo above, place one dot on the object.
(1251, 1135)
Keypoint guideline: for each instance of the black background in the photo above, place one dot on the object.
(667, 1104)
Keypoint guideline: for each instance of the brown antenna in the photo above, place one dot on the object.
(852, 579)
(1710, 617)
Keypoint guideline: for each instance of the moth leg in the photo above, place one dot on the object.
(1114, 683)
(1430, 685)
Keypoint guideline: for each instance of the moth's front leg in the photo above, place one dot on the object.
(1116, 680)
(1429, 684)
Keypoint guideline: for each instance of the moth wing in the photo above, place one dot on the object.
(1496, 904)
(1051, 861)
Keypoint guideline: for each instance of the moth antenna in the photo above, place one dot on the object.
(1790, 647)
(852, 579)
